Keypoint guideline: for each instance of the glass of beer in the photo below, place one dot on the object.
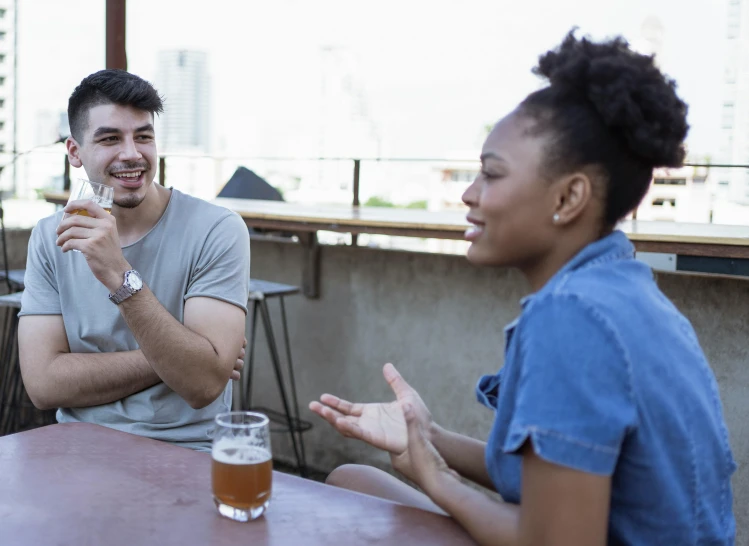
(242, 467)
(93, 191)
(101, 194)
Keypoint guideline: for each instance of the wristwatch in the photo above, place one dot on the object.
(132, 285)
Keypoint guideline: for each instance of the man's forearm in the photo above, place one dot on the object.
(186, 361)
(74, 380)
(463, 454)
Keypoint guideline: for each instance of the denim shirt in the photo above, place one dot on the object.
(604, 375)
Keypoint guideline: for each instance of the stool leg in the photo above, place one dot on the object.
(246, 400)
(10, 417)
(19, 417)
(7, 363)
(279, 374)
(292, 383)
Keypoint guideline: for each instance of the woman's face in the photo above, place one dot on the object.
(511, 204)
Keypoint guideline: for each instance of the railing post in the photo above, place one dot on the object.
(357, 167)
(116, 56)
(355, 202)
(66, 175)
(162, 170)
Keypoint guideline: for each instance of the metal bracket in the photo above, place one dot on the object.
(310, 265)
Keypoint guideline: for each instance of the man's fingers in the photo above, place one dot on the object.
(74, 233)
(93, 209)
(76, 220)
(73, 244)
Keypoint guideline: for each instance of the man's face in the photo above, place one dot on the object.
(118, 149)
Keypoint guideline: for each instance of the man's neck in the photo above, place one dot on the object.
(133, 224)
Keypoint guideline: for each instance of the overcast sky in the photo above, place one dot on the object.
(431, 73)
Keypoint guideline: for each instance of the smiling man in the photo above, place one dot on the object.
(140, 330)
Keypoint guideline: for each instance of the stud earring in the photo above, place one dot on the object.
(555, 218)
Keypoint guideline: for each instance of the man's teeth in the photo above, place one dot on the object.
(127, 175)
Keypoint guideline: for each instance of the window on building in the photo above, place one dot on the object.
(2, 13)
(727, 119)
(659, 202)
(463, 176)
(3, 34)
(734, 19)
(670, 181)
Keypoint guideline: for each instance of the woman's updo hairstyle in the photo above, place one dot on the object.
(610, 109)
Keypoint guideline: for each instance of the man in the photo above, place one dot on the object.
(139, 330)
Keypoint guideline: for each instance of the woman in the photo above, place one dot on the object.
(608, 424)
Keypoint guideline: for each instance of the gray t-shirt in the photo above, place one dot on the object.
(195, 249)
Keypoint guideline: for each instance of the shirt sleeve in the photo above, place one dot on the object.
(41, 295)
(574, 398)
(223, 268)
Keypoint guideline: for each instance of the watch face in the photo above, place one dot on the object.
(134, 280)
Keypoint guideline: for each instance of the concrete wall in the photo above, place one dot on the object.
(440, 321)
(18, 242)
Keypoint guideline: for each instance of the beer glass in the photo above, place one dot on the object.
(241, 469)
(92, 191)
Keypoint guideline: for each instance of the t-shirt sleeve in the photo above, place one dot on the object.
(41, 295)
(574, 398)
(223, 268)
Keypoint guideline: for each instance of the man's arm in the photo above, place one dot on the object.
(195, 359)
(56, 378)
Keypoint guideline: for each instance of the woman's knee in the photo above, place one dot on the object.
(350, 475)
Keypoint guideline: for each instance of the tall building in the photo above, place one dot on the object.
(182, 78)
(7, 91)
(734, 145)
(347, 127)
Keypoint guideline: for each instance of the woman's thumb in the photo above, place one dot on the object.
(410, 415)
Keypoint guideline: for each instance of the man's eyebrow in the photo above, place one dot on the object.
(106, 131)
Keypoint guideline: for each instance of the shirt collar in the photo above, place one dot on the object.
(615, 246)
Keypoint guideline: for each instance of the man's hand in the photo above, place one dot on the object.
(239, 364)
(95, 236)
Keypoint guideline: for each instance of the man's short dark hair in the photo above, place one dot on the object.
(110, 86)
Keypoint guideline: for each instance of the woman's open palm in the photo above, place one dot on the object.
(380, 424)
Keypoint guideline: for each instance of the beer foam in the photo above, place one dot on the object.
(237, 451)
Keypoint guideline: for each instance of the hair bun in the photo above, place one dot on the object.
(633, 97)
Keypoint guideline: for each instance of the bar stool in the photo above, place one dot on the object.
(260, 292)
(16, 410)
(13, 278)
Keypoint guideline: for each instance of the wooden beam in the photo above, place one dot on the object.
(116, 54)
